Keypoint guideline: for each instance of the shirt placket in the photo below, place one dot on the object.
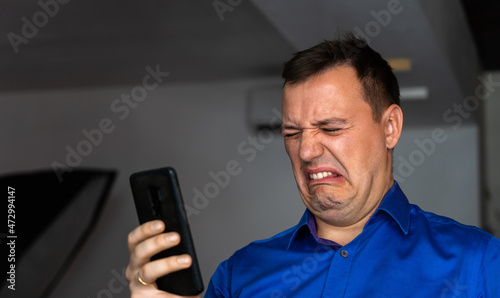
(338, 275)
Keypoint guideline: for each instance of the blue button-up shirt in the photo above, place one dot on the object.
(402, 252)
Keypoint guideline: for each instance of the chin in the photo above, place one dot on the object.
(325, 202)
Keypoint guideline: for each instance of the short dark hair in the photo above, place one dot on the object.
(380, 86)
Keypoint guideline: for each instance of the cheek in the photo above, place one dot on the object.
(288, 150)
(372, 152)
(359, 154)
(293, 153)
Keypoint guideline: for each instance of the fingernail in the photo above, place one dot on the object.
(172, 237)
(156, 226)
(183, 260)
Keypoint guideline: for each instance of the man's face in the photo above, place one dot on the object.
(339, 154)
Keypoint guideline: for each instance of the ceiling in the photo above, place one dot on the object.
(78, 44)
(101, 43)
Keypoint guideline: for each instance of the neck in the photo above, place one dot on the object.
(341, 235)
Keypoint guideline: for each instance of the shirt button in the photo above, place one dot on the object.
(343, 253)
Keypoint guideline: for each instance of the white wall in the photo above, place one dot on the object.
(198, 129)
(441, 174)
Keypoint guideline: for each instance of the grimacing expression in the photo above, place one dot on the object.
(341, 157)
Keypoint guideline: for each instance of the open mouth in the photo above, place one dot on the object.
(321, 175)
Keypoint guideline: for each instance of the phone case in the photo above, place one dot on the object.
(157, 196)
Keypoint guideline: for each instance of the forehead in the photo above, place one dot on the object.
(336, 92)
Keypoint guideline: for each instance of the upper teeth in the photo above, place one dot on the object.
(320, 175)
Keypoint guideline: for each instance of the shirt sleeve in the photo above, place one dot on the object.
(219, 284)
(490, 269)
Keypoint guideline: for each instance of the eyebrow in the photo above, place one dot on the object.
(335, 120)
(283, 127)
(329, 121)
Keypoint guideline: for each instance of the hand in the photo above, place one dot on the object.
(144, 242)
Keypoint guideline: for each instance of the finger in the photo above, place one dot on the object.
(151, 271)
(138, 290)
(143, 251)
(144, 232)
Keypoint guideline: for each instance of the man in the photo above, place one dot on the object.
(359, 236)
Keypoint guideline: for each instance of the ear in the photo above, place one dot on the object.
(393, 124)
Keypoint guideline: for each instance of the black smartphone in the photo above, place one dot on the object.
(157, 196)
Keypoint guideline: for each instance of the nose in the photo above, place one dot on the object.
(310, 146)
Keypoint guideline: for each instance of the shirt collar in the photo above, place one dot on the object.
(394, 203)
(397, 206)
(303, 225)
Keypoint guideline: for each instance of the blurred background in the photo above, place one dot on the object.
(93, 91)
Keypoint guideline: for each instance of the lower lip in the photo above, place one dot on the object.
(325, 180)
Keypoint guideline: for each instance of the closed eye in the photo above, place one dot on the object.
(289, 134)
(331, 130)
